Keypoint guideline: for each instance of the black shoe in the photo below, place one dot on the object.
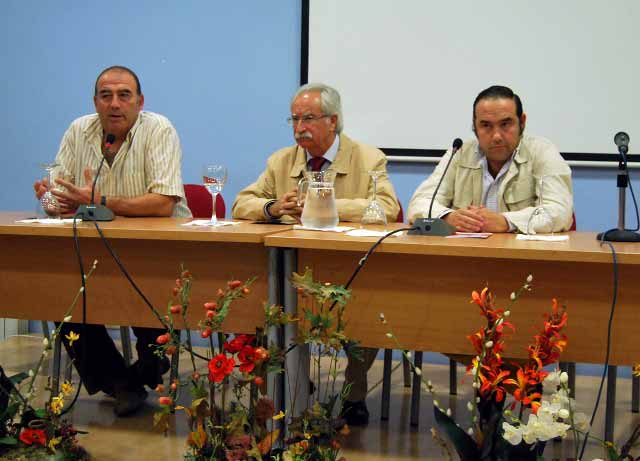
(355, 413)
(149, 371)
(128, 402)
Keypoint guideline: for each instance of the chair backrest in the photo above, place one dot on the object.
(573, 223)
(200, 203)
(400, 217)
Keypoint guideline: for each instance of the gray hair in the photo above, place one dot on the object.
(329, 100)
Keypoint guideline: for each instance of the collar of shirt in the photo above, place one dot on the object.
(95, 132)
(491, 185)
(329, 155)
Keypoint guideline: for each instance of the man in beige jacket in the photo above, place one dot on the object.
(316, 118)
(494, 181)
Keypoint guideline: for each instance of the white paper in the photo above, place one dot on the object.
(47, 221)
(208, 223)
(330, 229)
(543, 238)
(470, 235)
(368, 233)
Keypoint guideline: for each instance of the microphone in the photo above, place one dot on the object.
(93, 212)
(437, 227)
(622, 141)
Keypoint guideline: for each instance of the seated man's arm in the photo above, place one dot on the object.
(422, 197)
(557, 196)
(351, 209)
(251, 201)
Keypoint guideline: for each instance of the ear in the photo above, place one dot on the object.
(95, 102)
(334, 122)
(141, 101)
(523, 122)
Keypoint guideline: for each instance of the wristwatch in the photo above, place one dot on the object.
(103, 200)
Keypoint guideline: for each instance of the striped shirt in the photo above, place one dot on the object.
(149, 160)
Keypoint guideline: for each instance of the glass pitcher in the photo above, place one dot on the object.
(316, 190)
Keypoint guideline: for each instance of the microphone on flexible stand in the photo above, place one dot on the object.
(621, 139)
(436, 226)
(97, 212)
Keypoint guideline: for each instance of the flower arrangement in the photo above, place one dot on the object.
(231, 416)
(498, 429)
(28, 432)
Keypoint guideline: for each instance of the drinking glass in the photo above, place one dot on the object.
(540, 214)
(49, 202)
(214, 178)
(374, 213)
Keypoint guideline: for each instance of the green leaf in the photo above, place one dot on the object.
(41, 413)
(8, 441)
(463, 443)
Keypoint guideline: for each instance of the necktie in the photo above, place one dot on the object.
(316, 163)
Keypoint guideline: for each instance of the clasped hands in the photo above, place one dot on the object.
(72, 196)
(477, 219)
(287, 205)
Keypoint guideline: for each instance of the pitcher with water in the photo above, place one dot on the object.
(317, 191)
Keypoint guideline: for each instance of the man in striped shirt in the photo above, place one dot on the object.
(141, 177)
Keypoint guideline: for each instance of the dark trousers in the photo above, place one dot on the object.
(102, 367)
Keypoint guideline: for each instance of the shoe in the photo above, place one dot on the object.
(149, 372)
(355, 413)
(128, 402)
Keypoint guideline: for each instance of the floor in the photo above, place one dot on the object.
(133, 438)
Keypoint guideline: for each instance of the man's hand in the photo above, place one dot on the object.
(287, 205)
(493, 222)
(40, 187)
(75, 195)
(465, 220)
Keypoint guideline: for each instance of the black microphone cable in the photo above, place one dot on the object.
(633, 195)
(609, 333)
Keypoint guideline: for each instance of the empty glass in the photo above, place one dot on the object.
(374, 213)
(48, 202)
(540, 218)
(214, 178)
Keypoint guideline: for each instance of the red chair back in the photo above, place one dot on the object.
(573, 224)
(400, 217)
(200, 203)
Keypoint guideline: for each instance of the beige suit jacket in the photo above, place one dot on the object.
(518, 194)
(353, 186)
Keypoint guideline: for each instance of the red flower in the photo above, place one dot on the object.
(234, 284)
(219, 367)
(31, 436)
(236, 344)
(247, 357)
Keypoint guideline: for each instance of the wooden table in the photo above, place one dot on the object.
(39, 271)
(423, 285)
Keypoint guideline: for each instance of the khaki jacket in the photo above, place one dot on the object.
(518, 194)
(353, 186)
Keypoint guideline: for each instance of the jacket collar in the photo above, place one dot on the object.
(340, 164)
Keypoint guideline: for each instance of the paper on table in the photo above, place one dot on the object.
(368, 233)
(46, 221)
(543, 238)
(470, 235)
(331, 229)
(208, 223)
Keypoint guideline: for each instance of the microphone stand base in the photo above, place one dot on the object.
(95, 213)
(619, 235)
(429, 226)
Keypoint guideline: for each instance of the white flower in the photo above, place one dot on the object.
(530, 278)
(418, 371)
(563, 413)
(429, 383)
(45, 354)
(581, 422)
(408, 354)
(506, 313)
(470, 431)
(449, 412)
(512, 434)
(552, 380)
(45, 342)
(67, 319)
(469, 406)
(488, 344)
(389, 335)
(81, 289)
(513, 296)
(436, 404)
(564, 377)
(31, 373)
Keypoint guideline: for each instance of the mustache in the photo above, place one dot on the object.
(304, 135)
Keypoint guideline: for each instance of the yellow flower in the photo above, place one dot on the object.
(71, 337)
(278, 416)
(53, 442)
(57, 403)
(636, 369)
(67, 388)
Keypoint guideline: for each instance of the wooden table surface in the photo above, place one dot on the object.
(423, 285)
(39, 271)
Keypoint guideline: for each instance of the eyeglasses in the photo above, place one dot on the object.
(304, 119)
